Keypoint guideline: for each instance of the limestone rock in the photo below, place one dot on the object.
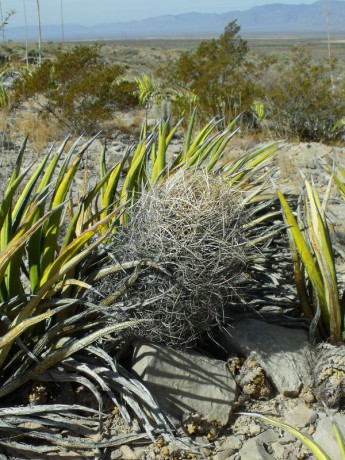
(329, 373)
(285, 354)
(324, 436)
(227, 448)
(301, 416)
(253, 380)
(185, 382)
(254, 448)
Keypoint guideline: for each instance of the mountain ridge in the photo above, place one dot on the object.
(266, 19)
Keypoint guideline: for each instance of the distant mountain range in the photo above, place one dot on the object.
(268, 19)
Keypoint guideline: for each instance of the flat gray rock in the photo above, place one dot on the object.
(301, 416)
(254, 448)
(185, 382)
(285, 354)
(325, 437)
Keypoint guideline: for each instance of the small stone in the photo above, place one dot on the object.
(287, 438)
(128, 453)
(234, 442)
(308, 396)
(116, 455)
(324, 436)
(288, 367)
(254, 430)
(277, 451)
(252, 450)
(300, 416)
(165, 452)
(230, 445)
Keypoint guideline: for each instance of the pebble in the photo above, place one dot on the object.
(301, 416)
(254, 430)
(116, 455)
(128, 453)
(277, 450)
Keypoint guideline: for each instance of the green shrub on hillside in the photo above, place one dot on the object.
(79, 88)
(303, 101)
(218, 72)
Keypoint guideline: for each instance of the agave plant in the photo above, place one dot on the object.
(53, 244)
(314, 264)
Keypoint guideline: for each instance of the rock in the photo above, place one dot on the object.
(277, 450)
(230, 445)
(255, 430)
(284, 353)
(329, 372)
(253, 380)
(255, 448)
(301, 416)
(185, 382)
(96, 147)
(116, 454)
(128, 453)
(324, 436)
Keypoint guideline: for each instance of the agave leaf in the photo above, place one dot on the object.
(59, 272)
(188, 137)
(339, 437)
(320, 238)
(112, 184)
(306, 256)
(30, 307)
(16, 331)
(317, 450)
(133, 175)
(248, 157)
(7, 201)
(67, 160)
(22, 201)
(339, 183)
(60, 354)
(218, 151)
(16, 244)
(75, 246)
(19, 161)
(52, 227)
(160, 162)
(252, 163)
(13, 273)
(47, 177)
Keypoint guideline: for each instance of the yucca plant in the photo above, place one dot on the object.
(314, 264)
(53, 247)
(46, 241)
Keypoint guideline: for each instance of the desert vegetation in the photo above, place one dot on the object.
(293, 94)
(161, 244)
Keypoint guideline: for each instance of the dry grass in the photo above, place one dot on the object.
(41, 131)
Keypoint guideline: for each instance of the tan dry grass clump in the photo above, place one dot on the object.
(41, 131)
(190, 230)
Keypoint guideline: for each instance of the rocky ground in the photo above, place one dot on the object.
(268, 367)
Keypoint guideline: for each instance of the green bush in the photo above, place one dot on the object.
(218, 72)
(303, 101)
(79, 88)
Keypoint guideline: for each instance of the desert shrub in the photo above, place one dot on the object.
(188, 235)
(79, 88)
(302, 101)
(218, 72)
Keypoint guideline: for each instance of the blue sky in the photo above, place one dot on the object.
(90, 12)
